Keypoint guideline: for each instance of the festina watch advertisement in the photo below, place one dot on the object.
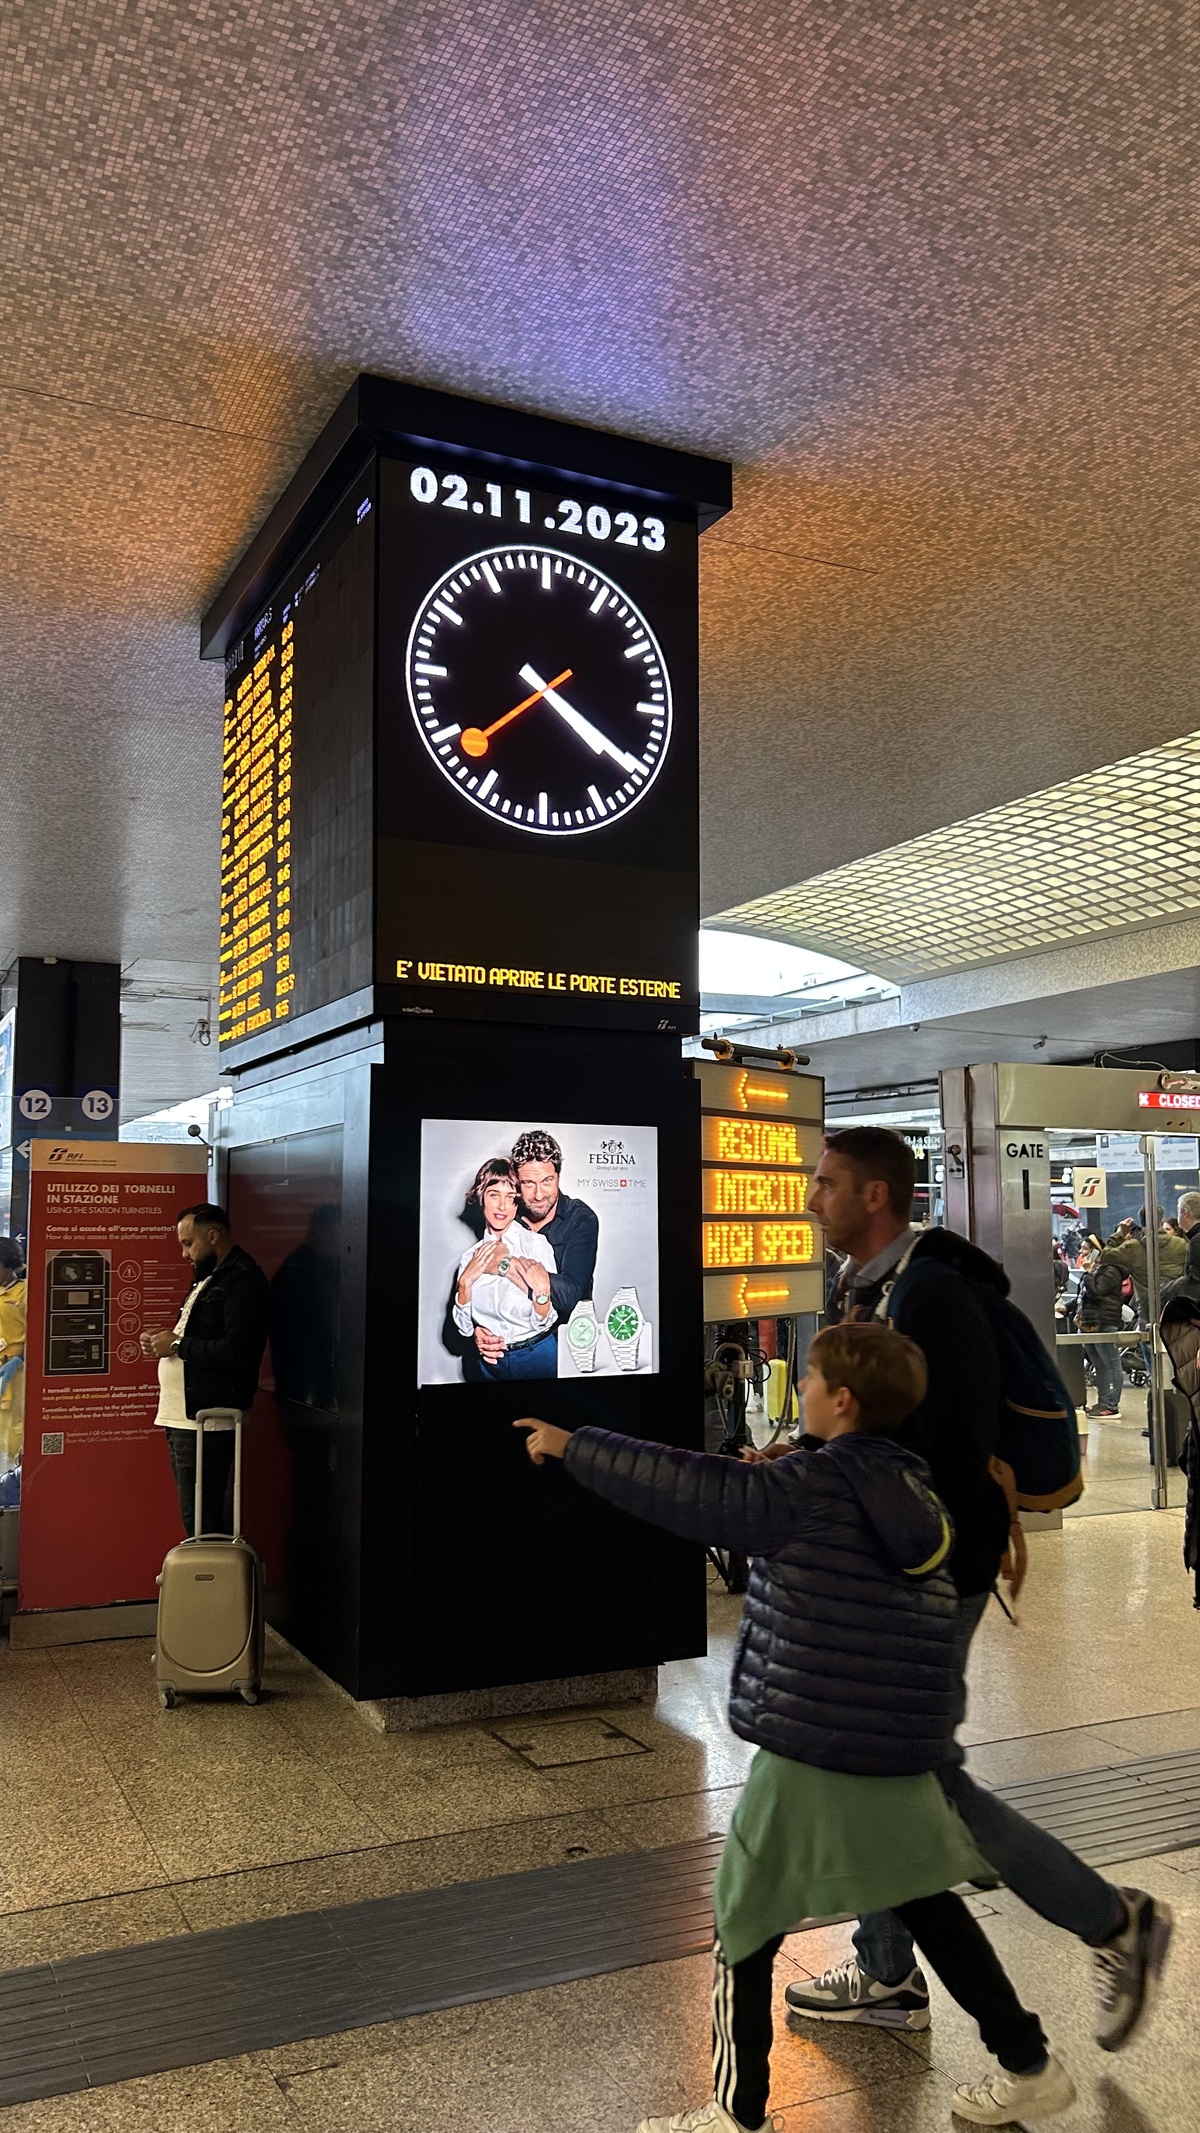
(538, 1250)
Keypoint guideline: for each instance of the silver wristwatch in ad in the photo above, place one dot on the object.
(623, 1323)
(583, 1335)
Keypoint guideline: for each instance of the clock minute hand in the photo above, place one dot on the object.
(598, 742)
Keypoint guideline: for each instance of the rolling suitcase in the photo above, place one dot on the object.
(210, 1597)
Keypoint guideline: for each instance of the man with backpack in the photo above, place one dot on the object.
(950, 1298)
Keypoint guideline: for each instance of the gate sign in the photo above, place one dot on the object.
(97, 1105)
(35, 1105)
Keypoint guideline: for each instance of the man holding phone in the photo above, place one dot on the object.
(210, 1357)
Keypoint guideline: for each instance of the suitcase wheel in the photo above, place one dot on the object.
(166, 1697)
(248, 1694)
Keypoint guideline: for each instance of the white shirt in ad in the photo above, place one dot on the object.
(497, 1304)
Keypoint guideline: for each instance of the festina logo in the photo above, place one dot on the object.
(611, 1155)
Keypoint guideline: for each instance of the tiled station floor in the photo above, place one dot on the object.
(122, 1824)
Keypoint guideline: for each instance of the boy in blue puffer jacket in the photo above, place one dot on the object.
(844, 1678)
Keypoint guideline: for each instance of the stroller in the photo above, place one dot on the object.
(1134, 1362)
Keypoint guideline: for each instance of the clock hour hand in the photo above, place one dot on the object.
(596, 741)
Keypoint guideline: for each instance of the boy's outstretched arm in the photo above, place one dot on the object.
(753, 1509)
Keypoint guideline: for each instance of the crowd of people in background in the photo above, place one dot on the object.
(1113, 1292)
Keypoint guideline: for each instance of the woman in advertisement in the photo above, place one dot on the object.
(503, 1284)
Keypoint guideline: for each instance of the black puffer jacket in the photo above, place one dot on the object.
(845, 1656)
(1099, 1308)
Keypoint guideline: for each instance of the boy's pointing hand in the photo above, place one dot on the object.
(544, 1441)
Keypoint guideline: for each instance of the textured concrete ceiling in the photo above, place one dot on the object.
(927, 274)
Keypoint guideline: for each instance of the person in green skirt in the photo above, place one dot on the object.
(844, 1678)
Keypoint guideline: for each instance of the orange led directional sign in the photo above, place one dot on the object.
(759, 1141)
(763, 1090)
(752, 1094)
(728, 1244)
(754, 1192)
(769, 1295)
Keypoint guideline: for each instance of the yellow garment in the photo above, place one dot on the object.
(12, 1400)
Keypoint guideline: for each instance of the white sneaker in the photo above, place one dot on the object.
(711, 2117)
(1004, 2097)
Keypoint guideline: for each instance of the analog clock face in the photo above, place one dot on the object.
(539, 690)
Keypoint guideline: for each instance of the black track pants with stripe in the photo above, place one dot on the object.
(954, 1945)
(742, 2032)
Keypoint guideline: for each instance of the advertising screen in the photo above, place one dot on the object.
(538, 1251)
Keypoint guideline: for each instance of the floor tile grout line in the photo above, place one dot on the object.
(1088, 1725)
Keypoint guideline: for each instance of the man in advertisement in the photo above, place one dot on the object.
(568, 1226)
(210, 1357)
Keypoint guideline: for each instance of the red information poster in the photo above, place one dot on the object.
(98, 1506)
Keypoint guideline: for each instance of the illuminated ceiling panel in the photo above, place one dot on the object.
(1102, 853)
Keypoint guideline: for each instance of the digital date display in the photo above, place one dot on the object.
(503, 503)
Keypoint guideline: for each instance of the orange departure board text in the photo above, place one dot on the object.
(760, 1141)
(256, 846)
(754, 1192)
(759, 1244)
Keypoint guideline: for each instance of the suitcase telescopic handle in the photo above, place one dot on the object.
(211, 1419)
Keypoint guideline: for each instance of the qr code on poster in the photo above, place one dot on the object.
(52, 1443)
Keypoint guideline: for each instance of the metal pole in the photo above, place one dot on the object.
(1157, 1402)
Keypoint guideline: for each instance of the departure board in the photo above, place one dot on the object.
(760, 1141)
(296, 791)
(257, 979)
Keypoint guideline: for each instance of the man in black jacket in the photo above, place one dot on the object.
(210, 1358)
(862, 1198)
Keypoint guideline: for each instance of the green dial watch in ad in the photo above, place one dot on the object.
(623, 1324)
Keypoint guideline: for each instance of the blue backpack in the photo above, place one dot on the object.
(1039, 1435)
